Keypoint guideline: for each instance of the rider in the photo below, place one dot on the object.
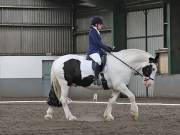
(96, 47)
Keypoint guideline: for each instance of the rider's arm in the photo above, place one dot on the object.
(94, 36)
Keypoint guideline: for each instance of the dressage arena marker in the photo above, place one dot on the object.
(95, 97)
(90, 102)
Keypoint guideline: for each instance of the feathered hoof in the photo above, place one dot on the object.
(109, 118)
(48, 117)
(135, 115)
(72, 118)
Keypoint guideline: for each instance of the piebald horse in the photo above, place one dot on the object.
(74, 70)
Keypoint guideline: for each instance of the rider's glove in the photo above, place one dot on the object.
(109, 49)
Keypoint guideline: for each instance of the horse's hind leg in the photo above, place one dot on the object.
(64, 100)
(49, 113)
(107, 114)
(52, 101)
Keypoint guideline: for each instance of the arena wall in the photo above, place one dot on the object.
(25, 76)
(167, 86)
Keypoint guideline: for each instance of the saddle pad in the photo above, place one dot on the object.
(86, 68)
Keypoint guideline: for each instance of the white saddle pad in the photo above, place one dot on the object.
(86, 68)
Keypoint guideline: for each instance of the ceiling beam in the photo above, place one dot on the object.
(107, 4)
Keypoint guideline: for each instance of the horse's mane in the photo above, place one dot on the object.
(135, 51)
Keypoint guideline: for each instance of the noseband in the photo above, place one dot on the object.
(149, 78)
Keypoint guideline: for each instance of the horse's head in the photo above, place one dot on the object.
(149, 70)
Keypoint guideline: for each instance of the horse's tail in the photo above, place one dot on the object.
(55, 92)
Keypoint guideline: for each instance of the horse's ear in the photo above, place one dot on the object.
(154, 60)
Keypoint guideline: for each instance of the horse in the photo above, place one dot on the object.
(75, 70)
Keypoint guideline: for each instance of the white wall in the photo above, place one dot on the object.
(22, 66)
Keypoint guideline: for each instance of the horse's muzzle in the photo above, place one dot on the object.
(148, 82)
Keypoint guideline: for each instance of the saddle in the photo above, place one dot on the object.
(103, 60)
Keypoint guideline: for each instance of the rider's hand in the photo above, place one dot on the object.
(115, 49)
(109, 49)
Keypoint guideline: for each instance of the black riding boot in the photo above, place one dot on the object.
(96, 72)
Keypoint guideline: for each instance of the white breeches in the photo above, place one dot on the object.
(96, 57)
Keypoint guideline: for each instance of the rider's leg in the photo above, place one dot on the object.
(96, 70)
(96, 57)
(97, 63)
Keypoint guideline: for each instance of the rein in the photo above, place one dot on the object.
(130, 66)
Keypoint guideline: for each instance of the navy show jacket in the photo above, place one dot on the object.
(95, 43)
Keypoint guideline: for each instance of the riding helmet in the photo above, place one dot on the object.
(96, 20)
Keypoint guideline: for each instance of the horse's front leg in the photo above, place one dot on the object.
(134, 108)
(65, 101)
(108, 112)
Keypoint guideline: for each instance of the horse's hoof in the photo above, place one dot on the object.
(48, 117)
(72, 118)
(135, 115)
(109, 118)
(105, 115)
